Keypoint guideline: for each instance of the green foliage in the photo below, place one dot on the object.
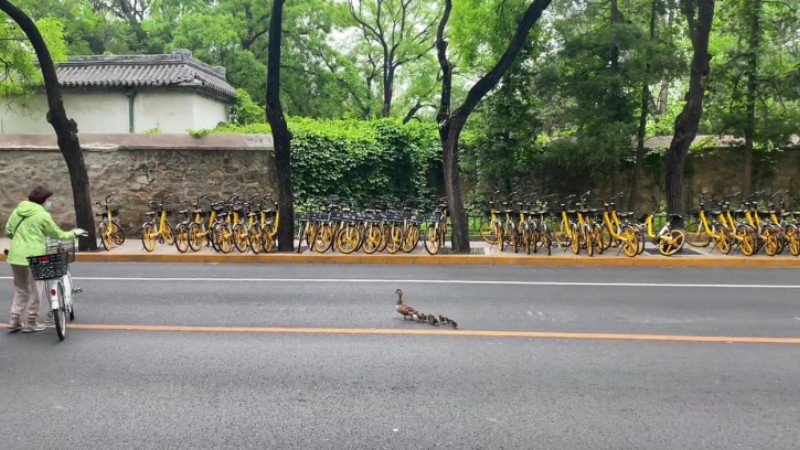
(198, 133)
(18, 69)
(357, 160)
(245, 111)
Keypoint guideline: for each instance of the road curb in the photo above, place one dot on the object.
(450, 260)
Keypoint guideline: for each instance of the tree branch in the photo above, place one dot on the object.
(490, 80)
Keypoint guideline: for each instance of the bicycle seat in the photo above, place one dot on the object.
(675, 217)
(716, 212)
(184, 212)
(624, 215)
(786, 214)
(150, 213)
(100, 214)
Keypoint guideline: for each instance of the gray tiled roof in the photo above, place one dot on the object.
(177, 69)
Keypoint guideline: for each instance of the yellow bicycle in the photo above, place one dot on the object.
(157, 231)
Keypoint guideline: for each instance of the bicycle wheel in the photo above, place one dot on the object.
(605, 237)
(60, 313)
(597, 239)
(149, 236)
(771, 244)
(630, 240)
(168, 234)
(410, 239)
(117, 235)
(561, 235)
(395, 240)
(672, 242)
(722, 240)
(311, 232)
(197, 237)
(348, 239)
(241, 238)
(696, 235)
(588, 239)
(267, 241)
(386, 230)
(432, 239)
(499, 236)
(575, 241)
(487, 233)
(324, 239)
(223, 236)
(256, 238)
(746, 239)
(105, 237)
(793, 236)
(182, 237)
(372, 239)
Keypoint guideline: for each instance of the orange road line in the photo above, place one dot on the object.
(440, 332)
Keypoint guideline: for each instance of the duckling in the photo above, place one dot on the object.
(448, 321)
(422, 317)
(442, 319)
(433, 321)
(406, 311)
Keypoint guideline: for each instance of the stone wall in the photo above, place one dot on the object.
(138, 167)
(720, 172)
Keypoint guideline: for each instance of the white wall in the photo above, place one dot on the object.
(169, 112)
(95, 112)
(208, 113)
(107, 112)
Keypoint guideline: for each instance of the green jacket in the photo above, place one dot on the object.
(28, 235)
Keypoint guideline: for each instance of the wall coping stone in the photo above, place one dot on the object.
(133, 142)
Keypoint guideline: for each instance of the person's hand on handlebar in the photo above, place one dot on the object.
(80, 232)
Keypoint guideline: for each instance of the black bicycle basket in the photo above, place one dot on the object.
(47, 267)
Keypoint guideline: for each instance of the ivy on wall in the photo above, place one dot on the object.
(359, 161)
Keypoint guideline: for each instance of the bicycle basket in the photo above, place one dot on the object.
(47, 267)
(67, 247)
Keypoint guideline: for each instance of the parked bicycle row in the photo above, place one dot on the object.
(528, 223)
(252, 225)
(760, 222)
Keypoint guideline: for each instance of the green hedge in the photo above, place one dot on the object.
(359, 161)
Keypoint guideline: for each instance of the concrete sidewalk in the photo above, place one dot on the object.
(481, 254)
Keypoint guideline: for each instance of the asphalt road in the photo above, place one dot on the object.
(176, 390)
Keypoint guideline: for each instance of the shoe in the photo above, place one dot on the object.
(34, 327)
(14, 325)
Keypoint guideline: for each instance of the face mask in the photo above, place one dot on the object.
(48, 205)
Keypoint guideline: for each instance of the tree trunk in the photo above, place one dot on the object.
(700, 15)
(615, 97)
(281, 137)
(752, 84)
(388, 82)
(65, 128)
(452, 187)
(640, 134)
(451, 123)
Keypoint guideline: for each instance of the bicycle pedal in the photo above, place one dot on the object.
(77, 290)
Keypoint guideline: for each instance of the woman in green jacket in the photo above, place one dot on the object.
(28, 227)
